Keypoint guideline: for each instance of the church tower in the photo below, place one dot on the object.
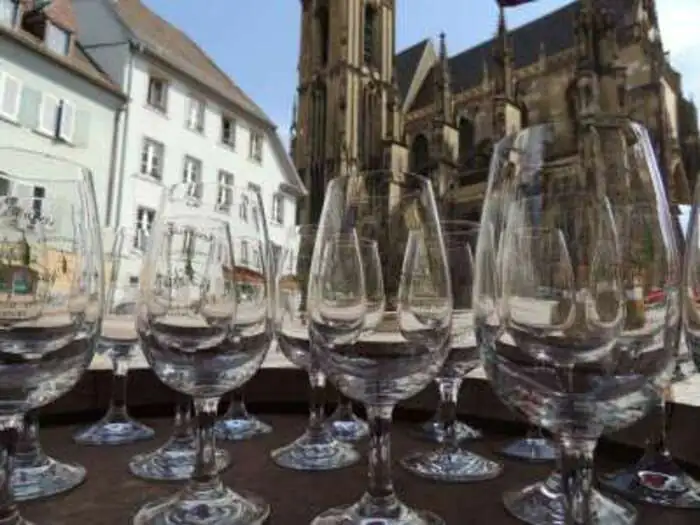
(347, 115)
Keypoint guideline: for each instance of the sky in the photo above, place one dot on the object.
(257, 42)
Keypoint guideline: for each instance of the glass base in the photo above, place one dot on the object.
(458, 466)
(241, 428)
(114, 430)
(348, 430)
(211, 507)
(315, 453)
(434, 430)
(685, 368)
(174, 461)
(658, 481)
(45, 478)
(531, 449)
(360, 514)
(543, 503)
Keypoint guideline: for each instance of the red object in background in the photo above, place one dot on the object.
(655, 296)
(512, 3)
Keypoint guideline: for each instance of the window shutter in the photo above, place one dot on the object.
(66, 127)
(29, 108)
(11, 91)
(81, 136)
(49, 114)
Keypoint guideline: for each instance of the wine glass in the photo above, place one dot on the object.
(204, 324)
(51, 292)
(609, 158)
(316, 449)
(344, 423)
(237, 424)
(118, 340)
(450, 462)
(397, 210)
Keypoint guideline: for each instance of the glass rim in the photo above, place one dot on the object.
(376, 173)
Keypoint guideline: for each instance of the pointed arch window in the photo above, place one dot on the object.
(369, 35)
(323, 32)
(420, 154)
(466, 139)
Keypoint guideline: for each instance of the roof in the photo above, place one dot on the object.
(180, 52)
(553, 31)
(77, 61)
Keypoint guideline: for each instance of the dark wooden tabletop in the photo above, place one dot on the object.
(111, 495)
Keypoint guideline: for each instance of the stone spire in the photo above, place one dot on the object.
(502, 59)
(443, 85)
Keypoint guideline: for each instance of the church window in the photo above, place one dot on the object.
(466, 138)
(369, 35)
(420, 154)
(323, 25)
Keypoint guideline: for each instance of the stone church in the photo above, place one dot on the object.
(362, 106)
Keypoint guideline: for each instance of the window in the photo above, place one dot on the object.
(188, 242)
(5, 187)
(192, 174)
(152, 158)
(224, 199)
(278, 208)
(10, 92)
(57, 39)
(244, 252)
(243, 211)
(144, 222)
(57, 117)
(369, 35)
(256, 146)
(323, 26)
(39, 194)
(228, 131)
(158, 93)
(8, 12)
(195, 114)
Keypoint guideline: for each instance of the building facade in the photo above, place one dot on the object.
(440, 114)
(53, 98)
(186, 120)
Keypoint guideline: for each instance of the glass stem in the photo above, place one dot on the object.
(206, 473)
(577, 478)
(182, 428)
(237, 408)
(117, 404)
(380, 498)
(345, 410)
(449, 394)
(28, 452)
(317, 414)
(658, 442)
(9, 430)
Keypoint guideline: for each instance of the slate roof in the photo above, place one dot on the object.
(179, 51)
(554, 31)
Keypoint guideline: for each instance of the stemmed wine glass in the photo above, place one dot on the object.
(204, 323)
(450, 462)
(316, 449)
(397, 210)
(237, 424)
(612, 162)
(118, 340)
(51, 291)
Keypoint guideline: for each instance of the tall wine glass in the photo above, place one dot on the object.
(316, 449)
(51, 291)
(450, 462)
(344, 423)
(397, 210)
(237, 424)
(118, 340)
(604, 157)
(205, 328)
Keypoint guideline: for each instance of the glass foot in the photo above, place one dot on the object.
(659, 482)
(458, 466)
(434, 430)
(241, 428)
(361, 513)
(174, 461)
(216, 506)
(531, 449)
(315, 453)
(348, 430)
(114, 431)
(542, 503)
(44, 479)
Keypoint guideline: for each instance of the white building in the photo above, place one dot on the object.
(186, 120)
(54, 99)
